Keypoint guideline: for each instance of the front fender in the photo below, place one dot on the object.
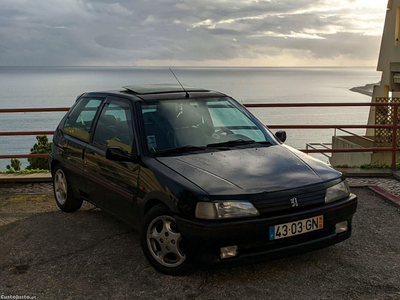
(157, 196)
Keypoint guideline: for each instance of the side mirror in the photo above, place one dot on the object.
(117, 154)
(281, 135)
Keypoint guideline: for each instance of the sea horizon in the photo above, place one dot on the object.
(50, 86)
(178, 66)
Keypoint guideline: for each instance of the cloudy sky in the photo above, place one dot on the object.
(190, 32)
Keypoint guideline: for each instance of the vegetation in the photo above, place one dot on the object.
(36, 165)
(370, 166)
(41, 147)
(15, 165)
(24, 171)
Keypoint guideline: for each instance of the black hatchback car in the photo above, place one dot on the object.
(198, 175)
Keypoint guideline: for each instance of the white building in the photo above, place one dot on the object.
(389, 65)
(389, 58)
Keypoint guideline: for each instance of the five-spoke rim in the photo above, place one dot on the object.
(60, 187)
(163, 241)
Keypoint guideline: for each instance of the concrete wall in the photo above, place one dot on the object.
(382, 158)
(350, 159)
(357, 159)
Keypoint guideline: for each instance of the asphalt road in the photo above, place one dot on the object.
(90, 255)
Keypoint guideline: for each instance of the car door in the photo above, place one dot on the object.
(112, 185)
(76, 131)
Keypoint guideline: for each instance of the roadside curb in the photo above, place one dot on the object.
(396, 174)
(393, 199)
(25, 178)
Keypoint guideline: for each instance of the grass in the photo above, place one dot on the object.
(24, 171)
(370, 166)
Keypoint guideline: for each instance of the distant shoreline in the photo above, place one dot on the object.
(367, 89)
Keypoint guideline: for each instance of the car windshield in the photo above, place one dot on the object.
(199, 124)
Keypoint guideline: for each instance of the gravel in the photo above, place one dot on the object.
(90, 255)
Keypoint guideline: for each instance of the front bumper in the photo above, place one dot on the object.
(203, 239)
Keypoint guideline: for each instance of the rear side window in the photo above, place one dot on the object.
(115, 127)
(81, 117)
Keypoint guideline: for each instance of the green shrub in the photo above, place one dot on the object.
(370, 166)
(24, 171)
(41, 147)
(15, 164)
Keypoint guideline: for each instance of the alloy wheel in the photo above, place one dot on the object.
(163, 241)
(60, 187)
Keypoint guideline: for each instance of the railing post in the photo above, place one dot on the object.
(394, 135)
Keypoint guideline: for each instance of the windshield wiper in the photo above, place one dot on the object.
(264, 143)
(231, 143)
(187, 148)
(239, 142)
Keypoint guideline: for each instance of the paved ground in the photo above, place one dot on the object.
(389, 184)
(90, 255)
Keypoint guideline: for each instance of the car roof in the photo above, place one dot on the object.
(149, 92)
(147, 89)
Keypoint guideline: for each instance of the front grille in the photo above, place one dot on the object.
(281, 203)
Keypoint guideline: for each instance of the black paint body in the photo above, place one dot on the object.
(266, 176)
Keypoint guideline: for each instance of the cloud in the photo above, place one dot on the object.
(201, 32)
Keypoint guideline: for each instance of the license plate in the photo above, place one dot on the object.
(295, 228)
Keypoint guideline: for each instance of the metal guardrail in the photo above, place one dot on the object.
(394, 126)
(19, 133)
(356, 135)
(323, 145)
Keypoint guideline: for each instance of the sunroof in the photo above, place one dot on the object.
(160, 89)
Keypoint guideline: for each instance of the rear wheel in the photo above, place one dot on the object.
(65, 198)
(161, 242)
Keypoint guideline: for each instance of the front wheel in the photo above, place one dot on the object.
(162, 242)
(65, 198)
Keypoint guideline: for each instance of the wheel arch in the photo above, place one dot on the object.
(54, 163)
(150, 204)
(155, 198)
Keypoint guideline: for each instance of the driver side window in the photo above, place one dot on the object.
(114, 127)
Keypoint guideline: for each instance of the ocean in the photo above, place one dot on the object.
(26, 87)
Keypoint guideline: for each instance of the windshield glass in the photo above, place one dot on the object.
(172, 124)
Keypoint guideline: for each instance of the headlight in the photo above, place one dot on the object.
(225, 210)
(337, 192)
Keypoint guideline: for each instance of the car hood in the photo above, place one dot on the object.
(250, 170)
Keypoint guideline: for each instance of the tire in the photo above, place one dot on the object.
(161, 242)
(63, 193)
